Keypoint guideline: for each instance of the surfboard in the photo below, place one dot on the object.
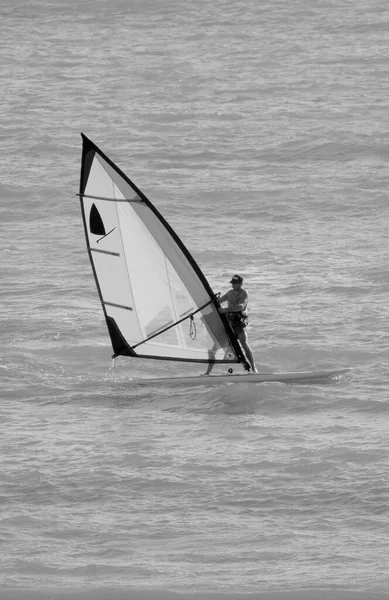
(281, 377)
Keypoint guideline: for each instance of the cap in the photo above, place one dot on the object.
(236, 279)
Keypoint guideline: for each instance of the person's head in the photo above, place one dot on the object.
(236, 281)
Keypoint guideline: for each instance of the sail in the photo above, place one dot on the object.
(156, 301)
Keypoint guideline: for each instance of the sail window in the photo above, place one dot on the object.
(96, 224)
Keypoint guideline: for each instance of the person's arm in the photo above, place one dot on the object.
(223, 298)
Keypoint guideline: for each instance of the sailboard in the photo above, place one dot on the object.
(156, 301)
(280, 377)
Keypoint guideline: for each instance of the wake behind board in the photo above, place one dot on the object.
(284, 377)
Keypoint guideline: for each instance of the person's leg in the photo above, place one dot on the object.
(242, 337)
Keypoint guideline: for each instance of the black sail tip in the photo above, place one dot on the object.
(84, 138)
(87, 143)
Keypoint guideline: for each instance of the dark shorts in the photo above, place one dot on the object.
(237, 320)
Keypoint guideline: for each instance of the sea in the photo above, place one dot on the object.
(259, 129)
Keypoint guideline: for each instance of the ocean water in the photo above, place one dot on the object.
(259, 130)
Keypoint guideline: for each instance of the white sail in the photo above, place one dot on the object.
(156, 301)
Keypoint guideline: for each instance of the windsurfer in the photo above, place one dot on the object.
(236, 313)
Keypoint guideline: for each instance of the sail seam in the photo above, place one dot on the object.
(172, 298)
(125, 255)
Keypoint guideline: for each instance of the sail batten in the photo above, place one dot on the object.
(118, 305)
(110, 199)
(103, 251)
(149, 285)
